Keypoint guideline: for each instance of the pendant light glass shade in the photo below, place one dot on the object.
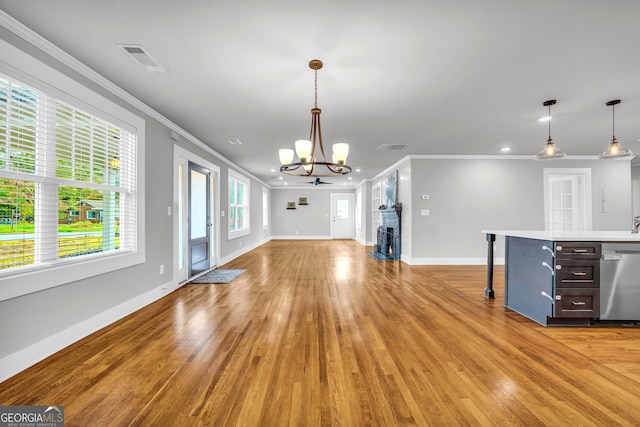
(550, 151)
(615, 150)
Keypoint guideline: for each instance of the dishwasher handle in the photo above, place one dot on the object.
(611, 256)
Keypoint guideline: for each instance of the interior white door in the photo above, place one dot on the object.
(342, 219)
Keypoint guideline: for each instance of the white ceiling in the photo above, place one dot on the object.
(447, 77)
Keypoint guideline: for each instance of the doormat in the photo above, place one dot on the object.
(218, 276)
(379, 256)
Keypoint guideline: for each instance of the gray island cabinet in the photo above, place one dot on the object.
(578, 278)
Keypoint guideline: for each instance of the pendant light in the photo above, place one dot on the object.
(550, 151)
(615, 151)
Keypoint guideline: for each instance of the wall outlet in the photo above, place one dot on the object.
(168, 210)
(425, 197)
(424, 212)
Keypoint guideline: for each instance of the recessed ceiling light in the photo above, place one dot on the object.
(505, 149)
(544, 119)
(350, 178)
(273, 170)
(360, 170)
(280, 178)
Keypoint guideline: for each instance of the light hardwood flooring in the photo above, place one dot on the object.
(318, 333)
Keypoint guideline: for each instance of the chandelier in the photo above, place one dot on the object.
(309, 162)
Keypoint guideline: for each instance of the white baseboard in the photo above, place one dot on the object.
(301, 238)
(19, 361)
(451, 261)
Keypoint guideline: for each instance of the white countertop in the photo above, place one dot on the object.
(579, 236)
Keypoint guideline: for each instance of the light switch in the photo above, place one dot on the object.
(424, 212)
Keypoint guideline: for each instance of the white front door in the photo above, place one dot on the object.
(342, 220)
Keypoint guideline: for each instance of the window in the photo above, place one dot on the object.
(239, 192)
(68, 180)
(265, 208)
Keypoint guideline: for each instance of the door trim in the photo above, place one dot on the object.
(182, 157)
(351, 197)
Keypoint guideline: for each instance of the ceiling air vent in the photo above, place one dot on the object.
(143, 58)
(383, 147)
(234, 141)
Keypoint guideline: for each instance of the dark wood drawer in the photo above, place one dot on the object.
(577, 273)
(578, 250)
(577, 302)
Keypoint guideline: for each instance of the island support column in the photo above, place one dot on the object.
(488, 292)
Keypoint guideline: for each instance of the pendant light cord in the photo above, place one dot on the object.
(613, 129)
(549, 122)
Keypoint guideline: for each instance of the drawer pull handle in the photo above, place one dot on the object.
(578, 273)
(578, 303)
(579, 251)
(547, 248)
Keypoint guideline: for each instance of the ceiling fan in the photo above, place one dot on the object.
(318, 181)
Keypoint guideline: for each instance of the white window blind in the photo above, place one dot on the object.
(67, 181)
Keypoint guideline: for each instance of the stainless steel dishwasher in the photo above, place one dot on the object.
(620, 281)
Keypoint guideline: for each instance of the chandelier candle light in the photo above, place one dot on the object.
(306, 150)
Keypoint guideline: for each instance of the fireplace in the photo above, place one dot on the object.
(388, 234)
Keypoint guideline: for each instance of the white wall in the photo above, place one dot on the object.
(364, 234)
(312, 221)
(469, 195)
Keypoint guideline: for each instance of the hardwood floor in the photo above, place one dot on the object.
(319, 333)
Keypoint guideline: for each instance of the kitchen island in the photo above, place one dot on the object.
(569, 278)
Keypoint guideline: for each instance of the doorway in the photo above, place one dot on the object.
(199, 219)
(342, 218)
(567, 199)
(197, 215)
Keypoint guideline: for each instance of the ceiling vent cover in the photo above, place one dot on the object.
(142, 57)
(383, 147)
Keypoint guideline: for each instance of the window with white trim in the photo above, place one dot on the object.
(67, 182)
(58, 166)
(239, 196)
